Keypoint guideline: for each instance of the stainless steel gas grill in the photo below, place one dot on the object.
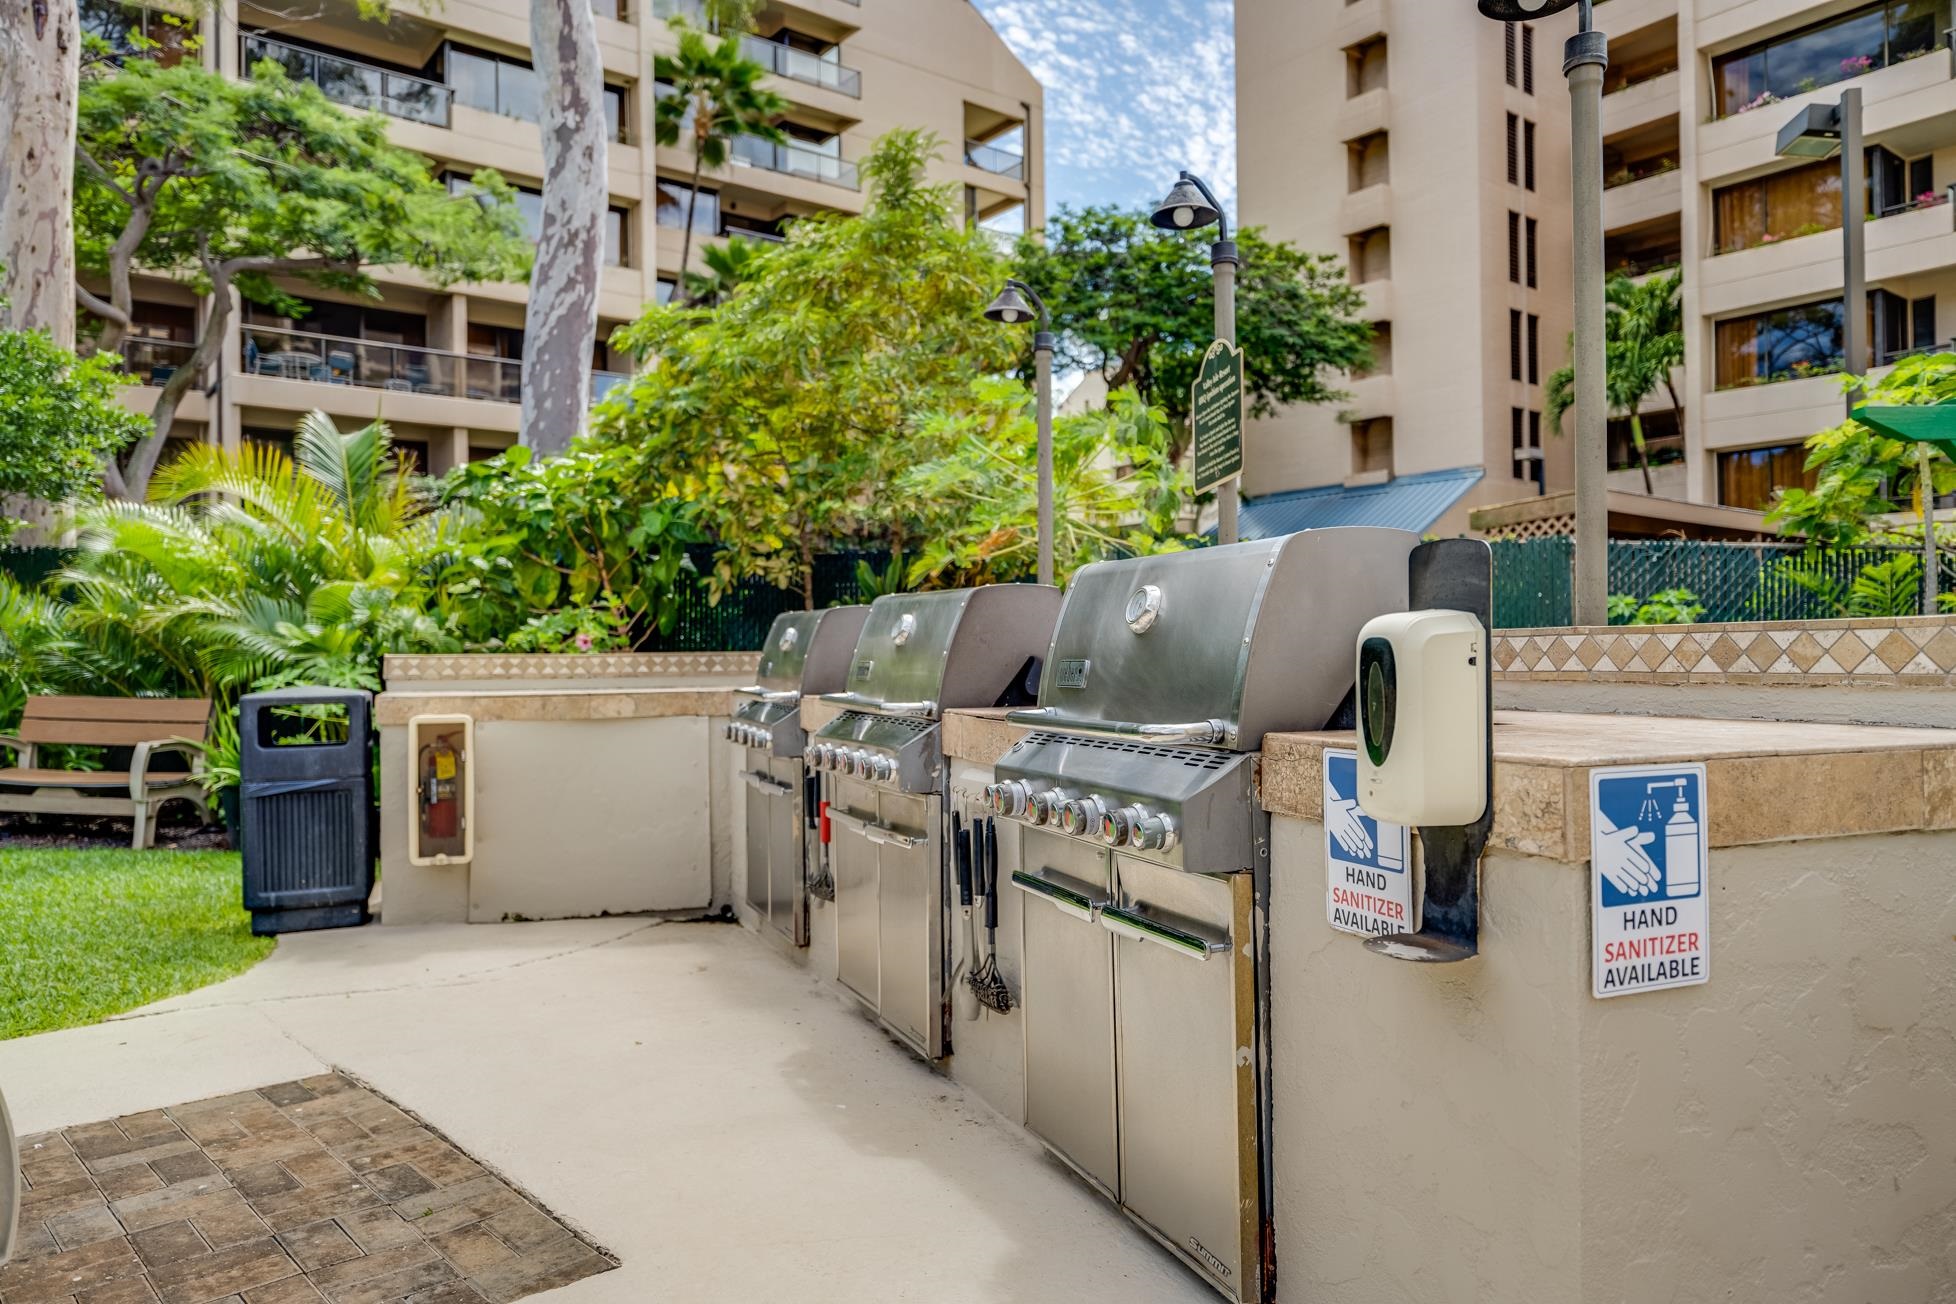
(920, 655)
(805, 652)
(1145, 862)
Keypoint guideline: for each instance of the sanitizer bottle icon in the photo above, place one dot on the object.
(1682, 856)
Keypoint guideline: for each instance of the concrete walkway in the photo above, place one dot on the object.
(716, 1117)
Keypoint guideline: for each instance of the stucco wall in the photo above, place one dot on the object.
(1489, 1131)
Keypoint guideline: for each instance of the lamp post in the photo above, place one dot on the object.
(1009, 309)
(1821, 131)
(1584, 57)
(1190, 206)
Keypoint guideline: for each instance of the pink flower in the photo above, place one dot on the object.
(583, 642)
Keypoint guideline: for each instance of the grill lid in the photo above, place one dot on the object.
(808, 651)
(921, 654)
(1218, 646)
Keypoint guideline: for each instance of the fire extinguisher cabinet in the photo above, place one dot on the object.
(305, 762)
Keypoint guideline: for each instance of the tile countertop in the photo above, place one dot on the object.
(554, 704)
(1766, 781)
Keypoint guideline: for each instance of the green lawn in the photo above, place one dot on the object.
(87, 934)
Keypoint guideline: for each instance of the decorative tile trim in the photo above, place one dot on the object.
(572, 666)
(1912, 651)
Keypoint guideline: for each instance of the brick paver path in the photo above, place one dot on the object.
(309, 1190)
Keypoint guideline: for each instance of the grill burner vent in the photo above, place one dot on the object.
(1194, 758)
(890, 721)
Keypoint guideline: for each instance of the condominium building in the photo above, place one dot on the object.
(1414, 181)
(443, 366)
(1430, 148)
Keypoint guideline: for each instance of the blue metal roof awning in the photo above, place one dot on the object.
(1410, 502)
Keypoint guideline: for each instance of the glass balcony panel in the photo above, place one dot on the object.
(993, 159)
(356, 85)
(795, 160)
(154, 361)
(375, 364)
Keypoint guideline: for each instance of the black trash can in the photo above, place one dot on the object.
(305, 768)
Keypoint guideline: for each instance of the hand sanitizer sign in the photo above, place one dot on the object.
(1648, 891)
(1368, 863)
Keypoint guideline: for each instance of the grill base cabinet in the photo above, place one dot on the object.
(311, 831)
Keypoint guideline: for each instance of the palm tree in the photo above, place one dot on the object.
(1643, 340)
(728, 265)
(716, 96)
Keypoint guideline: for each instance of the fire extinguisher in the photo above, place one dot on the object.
(440, 793)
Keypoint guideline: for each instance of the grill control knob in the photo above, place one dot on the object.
(1082, 818)
(859, 764)
(1044, 807)
(817, 755)
(1152, 832)
(1011, 798)
(1118, 828)
(882, 769)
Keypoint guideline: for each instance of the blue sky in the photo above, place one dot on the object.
(1135, 90)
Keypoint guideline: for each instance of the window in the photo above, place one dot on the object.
(1510, 34)
(1528, 154)
(1534, 349)
(1514, 150)
(674, 198)
(1372, 445)
(666, 289)
(1871, 37)
(496, 84)
(1785, 344)
(1368, 162)
(1796, 202)
(1525, 435)
(529, 204)
(1899, 326)
(1896, 184)
(1365, 68)
(1751, 477)
(1527, 59)
(1514, 248)
(165, 35)
(1531, 253)
(1514, 344)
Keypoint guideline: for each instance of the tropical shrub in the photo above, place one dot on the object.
(60, 422)
(1670, 607)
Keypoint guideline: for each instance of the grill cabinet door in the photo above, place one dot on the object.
(909, 938)
(852, 861)
(787, 902)
(1186, 1036)
(759, 802)
(1068, 976)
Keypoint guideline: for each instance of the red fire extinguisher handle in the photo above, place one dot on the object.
(825, 823)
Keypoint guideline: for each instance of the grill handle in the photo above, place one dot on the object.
(879, 834)
(886, 708)
(1126, 923)
(769, 694)
(1206, 732)
(1067, 900)
(765, 783)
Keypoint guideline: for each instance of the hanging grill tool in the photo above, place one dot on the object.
(986, 983)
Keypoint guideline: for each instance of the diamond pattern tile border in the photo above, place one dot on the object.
(308, 1191)
(1917, 651)
(548, 665)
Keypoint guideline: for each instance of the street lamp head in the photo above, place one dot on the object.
(1814, 132)
(1186, 208)
(1010, 307)
(1521, 11)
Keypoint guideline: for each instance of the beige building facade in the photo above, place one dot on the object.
(443, 366)
(1429, 147)
(1411, 179)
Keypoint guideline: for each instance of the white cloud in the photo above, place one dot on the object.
(1134, 90)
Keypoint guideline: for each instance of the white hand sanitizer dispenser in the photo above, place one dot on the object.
(1422, 718)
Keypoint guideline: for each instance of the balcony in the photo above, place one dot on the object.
(367, 364)
(800, 65)
(603, 382)
(357, 85)
(1911, 243)
(795, 160)
(999, 162)
(154, 361)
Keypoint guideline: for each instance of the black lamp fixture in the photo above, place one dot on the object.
(1011, 306)
(1814, 132)
(1189, 206)
(1521, 11)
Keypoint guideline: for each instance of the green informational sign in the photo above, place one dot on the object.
(1216, 416)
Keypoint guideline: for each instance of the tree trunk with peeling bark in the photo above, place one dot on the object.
(40, 64)
(562, 322)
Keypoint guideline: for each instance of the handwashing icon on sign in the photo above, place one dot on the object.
(1650, 842)
(1357, 835)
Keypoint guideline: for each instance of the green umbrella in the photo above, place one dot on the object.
(1929, 423)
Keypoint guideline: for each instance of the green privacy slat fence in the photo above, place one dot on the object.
(739, 623)
(1733, 581)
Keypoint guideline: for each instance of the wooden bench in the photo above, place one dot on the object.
(146, 725)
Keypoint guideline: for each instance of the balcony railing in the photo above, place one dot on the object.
(152, 360)
(359, 85)
(1639, 171)
(743, 233)
(786, 61)
(795, 160)
(403, 368)
(992, 159)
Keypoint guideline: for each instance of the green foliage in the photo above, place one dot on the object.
(872, 584)
(1888, 588)
(729, 264)
(1670, 607)
(1643, 340)
(565, 546)
(1137, 305)
(787, 412)
(1116, 489)
(93, 933)
(59, 421)
(1858, 470)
